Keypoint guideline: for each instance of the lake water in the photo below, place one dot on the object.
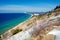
(9, 20)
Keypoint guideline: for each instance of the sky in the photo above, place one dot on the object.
(27, 5)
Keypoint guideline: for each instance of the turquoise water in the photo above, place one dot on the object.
(9, 20)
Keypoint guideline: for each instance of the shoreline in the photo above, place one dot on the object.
(21, 23)
(7, 25)
(17, 26)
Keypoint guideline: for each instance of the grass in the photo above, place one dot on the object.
(16, 31)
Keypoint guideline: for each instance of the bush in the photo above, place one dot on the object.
(16, 31)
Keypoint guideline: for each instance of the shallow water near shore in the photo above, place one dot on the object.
(9, 20)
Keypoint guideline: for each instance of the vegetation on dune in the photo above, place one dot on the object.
(40, 34)
(57, 7)
(16, 31)
(43, 32)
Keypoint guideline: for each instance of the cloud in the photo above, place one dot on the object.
(19, 8)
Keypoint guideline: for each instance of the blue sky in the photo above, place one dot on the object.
(27, 5)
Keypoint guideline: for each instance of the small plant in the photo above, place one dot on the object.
(57, 7)
(16, 31)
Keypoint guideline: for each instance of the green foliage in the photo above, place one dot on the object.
(49, 13)
(16, 31)
(0, 36)
(57, 7)
(39, 16)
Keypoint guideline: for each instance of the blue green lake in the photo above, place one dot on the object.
(9, 20)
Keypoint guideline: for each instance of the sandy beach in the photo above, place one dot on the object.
(22, 26)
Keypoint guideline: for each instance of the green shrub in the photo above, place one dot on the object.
(16, 31)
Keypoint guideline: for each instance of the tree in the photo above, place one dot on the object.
(57, 7)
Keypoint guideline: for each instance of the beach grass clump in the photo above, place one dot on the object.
(16, 31)
(39, 16)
